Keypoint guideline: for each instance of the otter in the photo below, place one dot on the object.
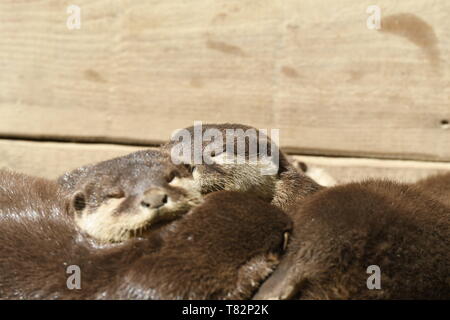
(438, 186)
(122, 197)
(220, 249)
(380, 219)
(340, 231)
(282, 188)
(356, 214)
(319, 175)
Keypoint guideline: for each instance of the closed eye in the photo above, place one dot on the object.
(189, 167)
(116, 195)
(172, 175)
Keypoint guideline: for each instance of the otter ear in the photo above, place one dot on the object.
(79, 201)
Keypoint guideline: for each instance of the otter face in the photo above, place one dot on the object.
(244, 169)
(242, 177)
(125, 198)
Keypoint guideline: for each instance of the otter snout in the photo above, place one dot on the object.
(154, 199)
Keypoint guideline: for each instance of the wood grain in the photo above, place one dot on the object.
(138, 70)
(344, 170)
(52, 159)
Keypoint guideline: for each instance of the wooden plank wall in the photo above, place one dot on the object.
(50, 159)
(137, 70)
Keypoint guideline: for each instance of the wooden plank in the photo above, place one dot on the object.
(343, 170)
(351, 90)
(138, 70)
(50, 159)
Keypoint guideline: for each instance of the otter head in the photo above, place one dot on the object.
(239, 158)
(121, 198)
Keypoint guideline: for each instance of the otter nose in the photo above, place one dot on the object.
(154, 200)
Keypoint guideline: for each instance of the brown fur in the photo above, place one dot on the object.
(119, 198)
(281, 189)
(184, 259)
(128, 175)
(340, 231)
(131, 173)
(438, 186)
(221, 249)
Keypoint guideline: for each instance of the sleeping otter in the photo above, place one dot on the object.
(357, 225)
(438, 186)
(281, 188)
(221, 249)
(119, 198)
(345, 229)
(341, 231)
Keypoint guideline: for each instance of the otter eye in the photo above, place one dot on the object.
(171, 176)
(285, 241)
(189, 168)
(79, 201)
(115, 194)
(302, 166)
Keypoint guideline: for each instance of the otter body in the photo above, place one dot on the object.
(221, 249)
(437, 186)
(341, 231)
